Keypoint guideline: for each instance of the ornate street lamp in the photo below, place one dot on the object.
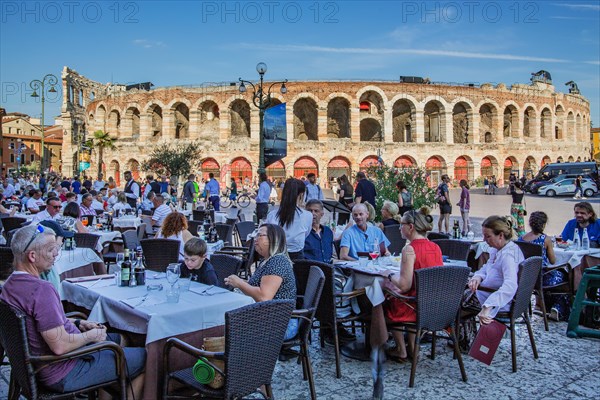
(36, 84)
(262, 101)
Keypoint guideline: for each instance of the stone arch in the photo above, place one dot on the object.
(240, 118)
(571, 126)
(546, 123)
(210, 117)
(403, 121)
(304, 95)
(511, 121)
(114, 170)
(339, 166)
(405, 161)
(100, 117)
(132, 116)
(529, 121)
(434, 119)
(510, 165)
(546, 160)
(276, 170)
(462, 123)
(305, 119)
(181, 119)
(579, 127)
(155, 112)
(305, 165)
(560, 159)
(360, 94)
(338, 118)
(489, 166)
(463, 168)
(530, 167)
(571, 159)
(371, 110)
(435, 166)
(369, 161)
(209, 165)
(241, 168)
(133, 165)
(488, 121)
(113, 124)
(370, 130)
(559, 111)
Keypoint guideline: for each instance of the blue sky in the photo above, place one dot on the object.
(191, 42)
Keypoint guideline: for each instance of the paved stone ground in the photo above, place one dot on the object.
(566, 369)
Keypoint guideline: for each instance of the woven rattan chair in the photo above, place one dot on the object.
(6, 262)
(198, 215)
(130, 239)
(529, 271)
(454, 249)
(225, 265)
(225, 232)
(249, 361)
(247, 253)
(397, 242)
(437, 235)
(12, 223)
(310, 301)
(535, 250)
(193, 227)
(86, 240)
(24, 366)
(159, 253)
(142, 231)
(438, 301)
(243, 229)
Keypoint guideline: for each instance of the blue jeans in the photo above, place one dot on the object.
(216, 202)
(292, 329)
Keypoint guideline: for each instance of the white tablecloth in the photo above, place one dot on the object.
(216, 246)
(154, 317)
(28, 217)
(127, 222)
(68, 260)
(573, 257)
(105, 237)
(220, 217)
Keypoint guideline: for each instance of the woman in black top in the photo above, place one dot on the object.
(346, 197)
(516, 209)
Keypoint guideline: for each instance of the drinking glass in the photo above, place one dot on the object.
(200, 231)
(173, 274)
(374, 253)
(84, 221)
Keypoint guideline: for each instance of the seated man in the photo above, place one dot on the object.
(51, 212)
(585, 217)
(49, 331)
(161, 210)
(318, 245)
(148, 202)
(362, 237)
(35, 201)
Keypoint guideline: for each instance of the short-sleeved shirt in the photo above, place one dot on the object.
(593, 230)
(40, 302)
(35, 204)
(313, 191)
(76, 185)
(212, 187)
(280, 265)
(264, 191)
(319, 247)
(161, 213)
(365, 189)
(358, 241)
(205, 274)
(297, 231)
(189, 191)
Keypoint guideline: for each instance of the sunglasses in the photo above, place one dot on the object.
(39, 229)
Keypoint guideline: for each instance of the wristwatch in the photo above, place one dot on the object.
(390, 276)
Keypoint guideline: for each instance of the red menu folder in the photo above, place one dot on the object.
(487, 341)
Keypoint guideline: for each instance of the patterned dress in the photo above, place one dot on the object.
(518, 211)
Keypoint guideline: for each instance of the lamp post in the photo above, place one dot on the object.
(40, 85)
(262, 101)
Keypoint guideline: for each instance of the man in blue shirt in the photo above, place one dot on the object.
(212, 187)
(262, 198)
(362, 236)
(318, 245)
(365, 190)
(313, 190)
(585, 217)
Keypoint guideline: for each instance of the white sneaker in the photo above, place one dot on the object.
(554, 314)
(584, 198)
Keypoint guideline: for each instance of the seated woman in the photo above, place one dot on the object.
(537, 223)
(175, 227)
(70, 219)
(389, 214)
(274, 276)
(420, 253)
(196, 264)
(121, 206)
(500, 272)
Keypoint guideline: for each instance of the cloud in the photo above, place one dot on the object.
(580, 6)
(148, 44)
(595, 62)
(389, 51)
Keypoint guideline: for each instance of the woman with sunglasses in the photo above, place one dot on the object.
(420, 253)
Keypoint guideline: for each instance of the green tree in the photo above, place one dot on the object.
(173, 160)
(416, 180)
(99, 142)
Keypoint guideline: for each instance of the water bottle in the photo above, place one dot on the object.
(585, 240)
(576, 241)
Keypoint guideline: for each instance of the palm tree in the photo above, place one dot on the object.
(101, 141)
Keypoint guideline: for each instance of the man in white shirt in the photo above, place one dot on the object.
(161, 210)
(35, 201)
(53, 207)
(313, 190)
(112, 198)
(262, 198)
(147, 202)
(9, 190)
(98, 184)
(97, 201)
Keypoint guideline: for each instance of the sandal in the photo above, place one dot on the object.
(392, 354)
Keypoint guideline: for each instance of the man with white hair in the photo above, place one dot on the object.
(362, 237)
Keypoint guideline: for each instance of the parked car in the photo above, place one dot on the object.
(533, 188)
(567, 187)
(553, 170)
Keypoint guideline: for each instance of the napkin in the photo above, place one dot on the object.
(89, 278)
(148, 301)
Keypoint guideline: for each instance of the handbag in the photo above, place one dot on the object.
(216, 344)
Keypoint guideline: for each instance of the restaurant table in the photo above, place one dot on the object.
(137, 310)
(74, 263)
(578, 261)
(105, 236)
(220, 217)
(126, 221)
(28, 217)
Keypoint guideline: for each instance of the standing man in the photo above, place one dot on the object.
(365, 190)
(443, 199)
(42, 184)
(262, 198)
(313, 190)
(76, 185)
(213, 191)
(189, 192)
(132, 190)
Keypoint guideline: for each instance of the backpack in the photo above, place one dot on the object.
(439, 195)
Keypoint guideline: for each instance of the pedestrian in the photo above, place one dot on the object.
(313, 190)
(464, 204)
(365, 191)
(578, 188)
(405, 199)
(516, 209)
(486, 185)
(443, 200)
(262, 198)
(213, 192)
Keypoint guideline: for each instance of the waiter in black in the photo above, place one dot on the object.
(132, 190)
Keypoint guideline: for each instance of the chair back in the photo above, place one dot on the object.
(311, 298)
(6, 262)
(12, 223)
(397, 242)
(141, 231)
(87, 240)
(198, 215)
(130, 239)
(530, 249)
(99, 212)
(337, 247)
(437, 235)
(243, 229)
(193, 226)
(529, 271)
(250, 362)
(9, 236)
(89, 218)
(225, 232)
(231, 221)
(225, 265)
(13, 336)
(439, 294)
(326, 312)
(147, 212)
(159, 253)
(454, 249)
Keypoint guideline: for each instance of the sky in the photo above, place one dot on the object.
(191, 42)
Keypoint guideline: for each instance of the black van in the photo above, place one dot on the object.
(552, 170)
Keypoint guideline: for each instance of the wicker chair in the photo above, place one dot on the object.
(310, 301)
(12, 223)
(392, 232)
(24, 366)
(243, 229)
(86, 240)
(529, 271)
(90, 219)
(435, 312)
(159, 253)
(130, 239)
(6, 262)
(249, 362)
(193, 227)
(225, 265)
(225, 232)
(535, 250)
(437, 235)
(141, 231)
(454, 249)
(198, 215)
(248, 255)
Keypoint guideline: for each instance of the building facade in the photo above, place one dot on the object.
(336, 127)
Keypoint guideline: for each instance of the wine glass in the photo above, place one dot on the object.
(374, 253)
(84, 222)
(120, 258)
(200, 231)
(173, 273)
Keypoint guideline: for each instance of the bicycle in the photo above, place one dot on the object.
(243, 200)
